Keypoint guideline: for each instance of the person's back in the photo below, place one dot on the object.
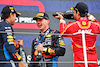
(85, 25)
(77, 26)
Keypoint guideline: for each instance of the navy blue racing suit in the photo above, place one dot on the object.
(7, 45)
(51, 41)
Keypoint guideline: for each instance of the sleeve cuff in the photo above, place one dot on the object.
(62, 21)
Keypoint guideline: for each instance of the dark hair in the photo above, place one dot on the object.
(4, 16)
(82, 14)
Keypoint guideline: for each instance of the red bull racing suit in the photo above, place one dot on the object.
(50, 41)
(77, 26)
(7, 46)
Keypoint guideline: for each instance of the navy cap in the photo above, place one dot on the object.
(41, 15)
(9, 9)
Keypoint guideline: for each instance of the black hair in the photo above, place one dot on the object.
(82, 14)
(4, 16)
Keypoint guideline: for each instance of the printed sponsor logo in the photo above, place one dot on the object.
(22, 20)
(88, 31)
(7, 27)
(11, 42)
(25, 20)
(24, 23)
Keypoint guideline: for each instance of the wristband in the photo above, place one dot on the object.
(91, 17)
(62, 21)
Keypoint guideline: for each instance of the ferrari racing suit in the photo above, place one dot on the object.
(77, 26)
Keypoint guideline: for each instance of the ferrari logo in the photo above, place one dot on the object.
(84, 23)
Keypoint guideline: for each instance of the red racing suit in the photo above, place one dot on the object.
(77, 26)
